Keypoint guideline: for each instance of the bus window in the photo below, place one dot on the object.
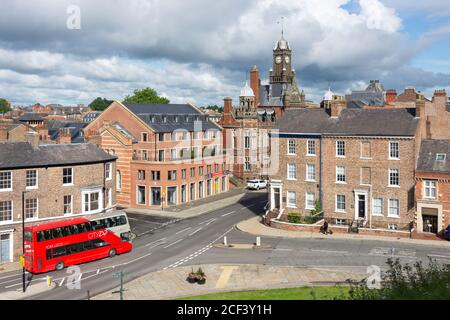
(121, 220)
(73, 230)
(48, 235)
(110, 223)
(88, 226)
(40, 236)
(65, 231)
(28, 236)
(58, 252)
(88, 245)
(56, 233)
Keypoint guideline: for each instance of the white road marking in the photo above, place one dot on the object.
(227, 214)
(210, 222)
(173, 243)
(134, 260)
(149, 244)
(183, 230)
(329, 251)
(98, 271)
(61, 283)
(283, 249)
(206, 221)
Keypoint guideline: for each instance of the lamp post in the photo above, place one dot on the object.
(24, 287)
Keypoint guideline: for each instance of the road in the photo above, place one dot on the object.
(166, 243)
(161, 243)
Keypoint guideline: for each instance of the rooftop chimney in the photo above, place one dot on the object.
(391, 96)
(32, 138)
(254, 84)
(336, 106)
(227, 105)
(64, 137)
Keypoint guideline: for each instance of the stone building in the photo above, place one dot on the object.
(56, 181)
(433, 187)
(167, 154)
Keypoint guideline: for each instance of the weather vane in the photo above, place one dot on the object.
(282, 25)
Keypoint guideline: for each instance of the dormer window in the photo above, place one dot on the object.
(441, 157)
(164, 119)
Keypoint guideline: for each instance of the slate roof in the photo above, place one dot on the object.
(177, 116)
(19, 155)
(358, 122)
(75, 128)
(32, 116)
(427, 157)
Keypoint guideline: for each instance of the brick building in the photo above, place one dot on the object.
(167, 154)
(247, 125)
(359, 163)
(58, 181)
(433, 186)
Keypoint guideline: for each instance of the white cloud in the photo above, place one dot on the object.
(192, 50)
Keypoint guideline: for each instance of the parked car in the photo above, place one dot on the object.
(447, 233)
(256, 184)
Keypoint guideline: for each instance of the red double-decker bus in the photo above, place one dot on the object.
(56, 245)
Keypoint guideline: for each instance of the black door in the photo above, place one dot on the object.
(430, 223)
(277, 198)
(361, 206)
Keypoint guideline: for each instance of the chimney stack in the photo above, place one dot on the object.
(32, 138)
(64, 137)
(227, 105)
(337, 105)
(391, 96)
(254, 84)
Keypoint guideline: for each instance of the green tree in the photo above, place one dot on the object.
(5, 105)
(100, 104)
(147, 95)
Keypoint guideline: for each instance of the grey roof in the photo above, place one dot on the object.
(359, 122)
(75, 128)
(32, 116)
(143, 108)
(17, 155)
(177, 116)
(427, 157)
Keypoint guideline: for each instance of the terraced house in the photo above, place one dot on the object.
(43, 183)
(167, 154)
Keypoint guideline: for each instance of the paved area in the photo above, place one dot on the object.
(195, 208)
(255, 227)
(32, 290)
(171, 283)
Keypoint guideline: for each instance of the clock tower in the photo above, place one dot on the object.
(281, 71)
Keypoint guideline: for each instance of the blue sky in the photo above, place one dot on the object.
(199, 52)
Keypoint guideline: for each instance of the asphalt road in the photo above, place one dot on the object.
(166, 243)
(161, 243)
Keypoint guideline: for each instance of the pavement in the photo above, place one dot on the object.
(255, 227)
(195, 208)
(171, 283)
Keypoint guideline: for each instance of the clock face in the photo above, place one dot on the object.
(278, 59)
(287, 59)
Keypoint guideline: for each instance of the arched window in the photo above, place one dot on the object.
(118, 180)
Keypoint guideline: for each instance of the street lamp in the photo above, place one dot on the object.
(23, 241)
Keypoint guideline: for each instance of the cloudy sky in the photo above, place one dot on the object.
(200, 50)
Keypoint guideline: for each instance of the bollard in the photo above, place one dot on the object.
(258, 241)
(49, 281)
(225, 242)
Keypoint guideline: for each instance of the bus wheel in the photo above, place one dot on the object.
(112, 253)
(60, 266)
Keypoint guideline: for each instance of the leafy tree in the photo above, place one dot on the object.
(5, 105)
(100, 104)
(147, 95)
(405, 282)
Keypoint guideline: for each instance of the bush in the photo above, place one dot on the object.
(294, 218)
(405, 282)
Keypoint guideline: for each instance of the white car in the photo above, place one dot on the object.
(256, 184)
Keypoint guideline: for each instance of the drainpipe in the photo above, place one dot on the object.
(320, 182)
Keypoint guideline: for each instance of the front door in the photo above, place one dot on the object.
(5, 246)
(277, 198)
(430, 223)
(361, 206)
